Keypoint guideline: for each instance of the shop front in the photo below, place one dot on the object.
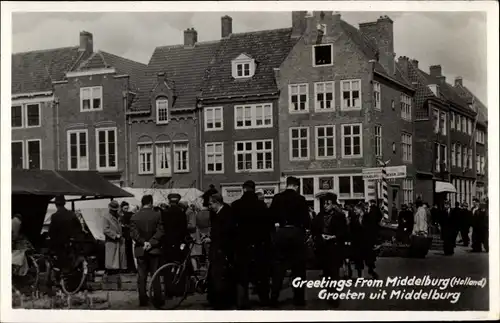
(232, 192)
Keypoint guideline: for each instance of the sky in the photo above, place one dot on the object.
(455, 40)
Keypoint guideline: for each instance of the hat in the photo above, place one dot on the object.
(114, 206)
(329, 196)
(60, 200)
(174, 196)
(249, 184)
(260, 191)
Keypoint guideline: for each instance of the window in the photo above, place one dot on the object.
(405, 107)
(452, 121)
(407, 147)
(107, 149)
(162, 115)
(407, 191)
(33, 115)
(437, 164)
(322, 55)
(378, 141)
(213, 119)
(459, 122)
(18, 155)
(181, 157)
(145, 158)
(325, 142)
(464, 157)
(435, 115)
(17, 116)
(478, 164)
(243, 67)
(464, 124)
(33, 153)
(163, 161)
(459, 155)
(480, 136)
(444, 157)
(351, 187)
(442, 123)
(299, 140)
(482, 166)
(351, 94)
(255, 156)
(469, 158)
(91, 98)
(324, 96)
(453, 154)
(253, 116)
(214, 158)
(469, 127)
(376, 95)
(352, 145)
(298, 97)
(78, 150)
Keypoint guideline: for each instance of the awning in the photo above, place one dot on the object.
(53, 183)
(445, 187)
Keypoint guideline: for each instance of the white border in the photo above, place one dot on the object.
(490, 8)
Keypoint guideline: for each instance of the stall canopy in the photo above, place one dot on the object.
(445, 187)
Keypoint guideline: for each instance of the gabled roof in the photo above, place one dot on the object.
(35, 71)
(467, 94)
(101, 59)
(420, 83)
(446, 91)
(269, 48)
(183, 66)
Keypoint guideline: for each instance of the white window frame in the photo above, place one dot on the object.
(92, 89)
(464, 157)
(469, 127)
(444, 129)
(27, 126)
(352, 136)
(408, 144)
(308, 138)
(408, 190)
(406, 107)
(157, 104)
(483, 166)
(22, 115)
(378, 141)
(317, 105)
(150, 152)
(221, 155)
(158, 169)
(176, 149)
(436, 119)
(253, 115)
(459, 155)
(459, 122)
(445, 157)
(377, 99)
(314, 55)
(464, 124)
(23, 152)
(212, 111)
(360, 99)
(469, 158)
(290, 104)
(78, 133)
(254, 153)
(27, 154)
(239, 61)
(453, 154)
(452, 121)
(478, 164)
(325, 137)
(107, 167)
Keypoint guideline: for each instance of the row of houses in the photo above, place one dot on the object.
(321, 100)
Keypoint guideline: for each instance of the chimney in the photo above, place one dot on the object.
(404, 62)
(226, 26)
(298, 23)
(458, 81)
(414, 62)
(435, 70)
(86, 42)
(190, 37)
(381, 32)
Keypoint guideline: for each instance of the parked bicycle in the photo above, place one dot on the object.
(178, 280)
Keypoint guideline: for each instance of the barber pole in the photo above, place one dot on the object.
(385, 193)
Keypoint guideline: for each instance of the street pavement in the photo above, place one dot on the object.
(463, 264)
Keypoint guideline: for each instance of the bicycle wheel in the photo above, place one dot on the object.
(171, 281)
(28, 283)
(72, 282)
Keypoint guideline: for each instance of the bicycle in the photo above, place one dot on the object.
(28, 283)
(183, 279)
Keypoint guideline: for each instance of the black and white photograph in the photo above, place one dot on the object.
(268, 159)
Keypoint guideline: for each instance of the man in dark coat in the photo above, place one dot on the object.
(364, 232)
(253, 229)
(479, 227)
(126, 216)
(291, 213)
(146, 229)
(330, 230)
(465, 222)
(405, 224)
(221, 283)
(175, 225)
(449, 221)
(64, 227)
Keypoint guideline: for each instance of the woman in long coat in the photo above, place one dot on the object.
(115, 259)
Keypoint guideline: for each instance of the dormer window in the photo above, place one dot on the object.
(434, 88)
(243, 66)
(162, 115)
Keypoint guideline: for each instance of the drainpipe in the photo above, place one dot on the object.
(197, 120)
(125, 109)
(58, 163)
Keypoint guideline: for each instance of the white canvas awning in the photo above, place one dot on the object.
(445, 187)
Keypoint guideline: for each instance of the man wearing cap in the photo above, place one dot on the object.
(289, 210)
(64, 225)
(479, 226)
(115, 257)
(176, 229)
(254, 227)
